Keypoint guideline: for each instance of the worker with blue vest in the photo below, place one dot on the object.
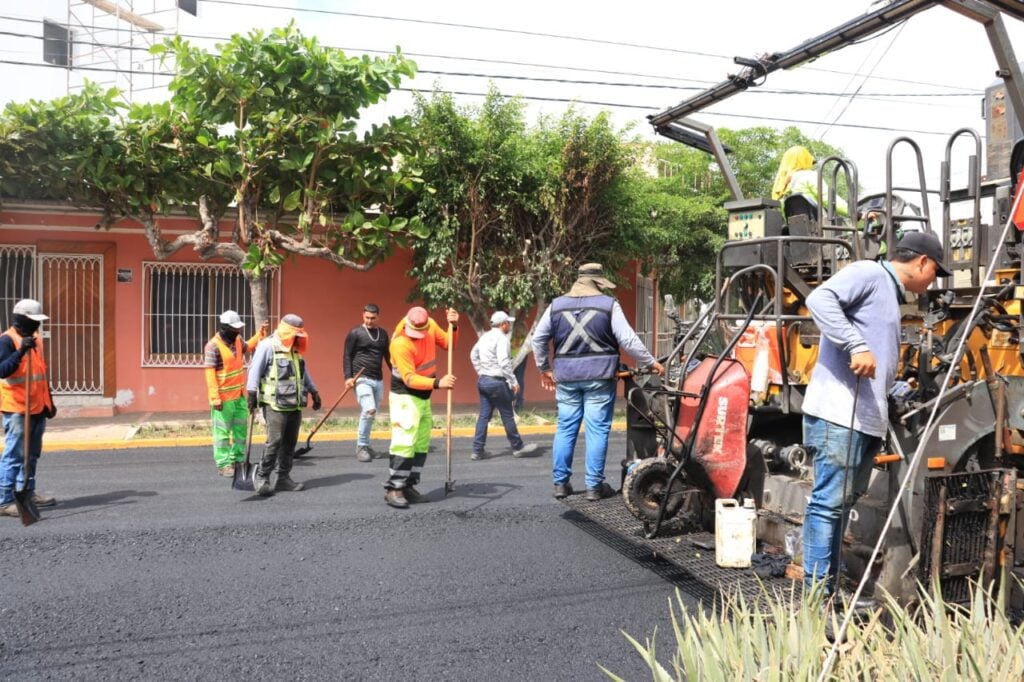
(587, 328)
(279, 381)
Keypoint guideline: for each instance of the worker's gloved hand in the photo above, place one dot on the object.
(250, 400)
(316, 401)
(50, 412)
(27, 343)
(219, 406)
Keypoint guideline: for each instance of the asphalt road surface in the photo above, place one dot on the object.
(151, 567)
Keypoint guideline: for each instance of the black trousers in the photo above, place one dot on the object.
(282, 434)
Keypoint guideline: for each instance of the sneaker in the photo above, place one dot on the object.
(413, 496)
(477, 456)
(563, 490)
(373, 453)
(228, 470)
(363, 454)
(395, 498)
(525, 451)
(44, 500)
(286, 484)
(600, 492)
(9, 510)
(263, 488)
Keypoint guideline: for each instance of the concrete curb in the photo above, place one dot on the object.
(56, 444)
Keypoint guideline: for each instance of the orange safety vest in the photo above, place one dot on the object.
(12, 388)
(231, 376)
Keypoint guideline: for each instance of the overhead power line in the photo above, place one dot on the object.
(570, 81)
(536, 98)
(211, 37)
(556, 36)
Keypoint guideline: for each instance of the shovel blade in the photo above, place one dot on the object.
(449, 487)
(242, 480)
(27, 509)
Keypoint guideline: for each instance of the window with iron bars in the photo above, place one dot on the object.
(17, 278)
(181, 304)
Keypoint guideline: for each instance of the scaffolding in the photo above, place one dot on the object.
(109, 40)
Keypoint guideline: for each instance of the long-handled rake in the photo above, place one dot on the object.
(307, 447)
(449, 483)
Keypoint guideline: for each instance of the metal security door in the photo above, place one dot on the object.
(71, 289)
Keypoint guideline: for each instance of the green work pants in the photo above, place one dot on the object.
(229, 424)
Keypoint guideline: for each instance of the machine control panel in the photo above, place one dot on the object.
(746, 225)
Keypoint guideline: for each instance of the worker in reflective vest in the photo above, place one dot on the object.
(278, 380)
(18, 389)
(413, 379)
(587, 328)
(224, 360)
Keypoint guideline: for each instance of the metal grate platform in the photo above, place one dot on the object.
(688, 553)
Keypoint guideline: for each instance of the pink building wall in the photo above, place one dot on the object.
(329, 299)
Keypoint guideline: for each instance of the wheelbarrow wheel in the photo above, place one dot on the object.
(645, 487)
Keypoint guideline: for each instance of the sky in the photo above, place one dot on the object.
(924, 78)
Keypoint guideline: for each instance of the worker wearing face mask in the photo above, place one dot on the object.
(223, 359)
(17, 389)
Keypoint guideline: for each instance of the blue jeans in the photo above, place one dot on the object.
(831, 449)
(593, 404)
(369, 393)
(495, 393)
(12, 464)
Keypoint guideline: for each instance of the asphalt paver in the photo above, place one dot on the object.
(151, 567)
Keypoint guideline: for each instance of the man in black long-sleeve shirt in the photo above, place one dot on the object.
(366, 346)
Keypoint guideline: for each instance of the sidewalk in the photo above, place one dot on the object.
(122, 431)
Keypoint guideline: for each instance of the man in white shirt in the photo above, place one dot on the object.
(491, 358)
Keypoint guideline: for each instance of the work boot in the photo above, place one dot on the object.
(413, 496)
(286, 484)
(227, 471)
(363, 454)
(9, 510)
(600, 492)
(563, 490)
(396, 499)
(44, 500)
(525, 451)
(263, 488)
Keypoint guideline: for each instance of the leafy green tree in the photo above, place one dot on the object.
(514, 209)
(265, 128)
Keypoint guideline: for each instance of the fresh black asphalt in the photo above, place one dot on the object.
(151, 567)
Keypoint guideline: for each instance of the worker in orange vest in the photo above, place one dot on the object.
(16, 344)
(223, 359)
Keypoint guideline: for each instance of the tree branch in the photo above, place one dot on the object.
(299, 248)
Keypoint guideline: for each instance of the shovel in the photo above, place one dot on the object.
(27, 509)
(307, 447)
(449, 484)
(242, 480)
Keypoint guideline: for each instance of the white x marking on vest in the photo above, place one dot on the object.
(579, 331)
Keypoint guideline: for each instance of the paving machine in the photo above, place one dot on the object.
(944, 502)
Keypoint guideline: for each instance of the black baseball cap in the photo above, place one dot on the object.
(926, 244)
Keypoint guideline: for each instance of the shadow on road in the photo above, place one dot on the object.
(115, 498)
(340, 479)
(485, 492)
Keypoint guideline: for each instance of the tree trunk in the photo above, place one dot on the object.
(258, 292)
